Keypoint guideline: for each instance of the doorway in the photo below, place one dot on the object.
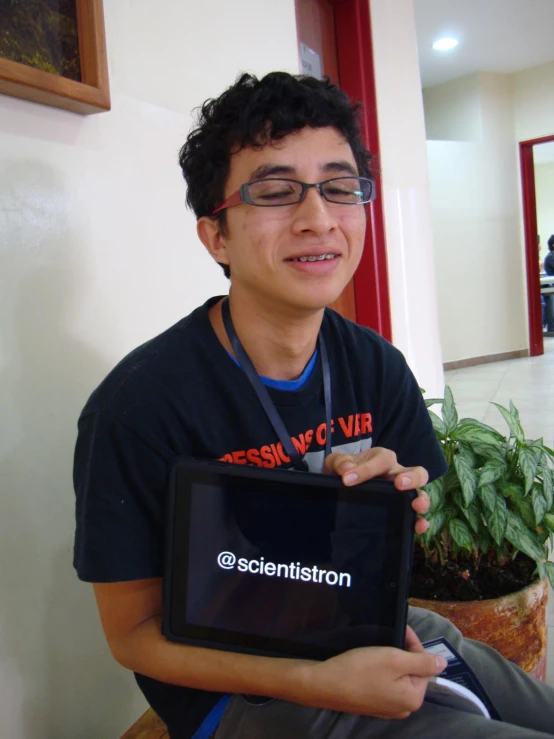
(334, 38)
(531, 231)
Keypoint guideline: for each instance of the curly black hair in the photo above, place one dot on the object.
(253, 112)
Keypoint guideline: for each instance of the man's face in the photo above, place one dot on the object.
(264, 246)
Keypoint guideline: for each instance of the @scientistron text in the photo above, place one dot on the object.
(291, 571)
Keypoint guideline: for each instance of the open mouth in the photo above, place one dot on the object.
(318, 258)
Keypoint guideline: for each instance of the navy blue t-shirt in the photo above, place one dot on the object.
(182, 394)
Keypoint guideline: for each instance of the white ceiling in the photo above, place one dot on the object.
(494, 36)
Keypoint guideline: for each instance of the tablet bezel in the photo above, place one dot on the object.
(187, 472)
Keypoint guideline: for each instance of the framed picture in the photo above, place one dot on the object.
(54, 52)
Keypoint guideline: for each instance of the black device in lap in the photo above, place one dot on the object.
(285, 563)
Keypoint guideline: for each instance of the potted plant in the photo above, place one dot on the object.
(483, 562)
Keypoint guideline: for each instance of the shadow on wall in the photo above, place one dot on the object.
(56, 673)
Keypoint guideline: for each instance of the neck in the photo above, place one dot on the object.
(279, 342)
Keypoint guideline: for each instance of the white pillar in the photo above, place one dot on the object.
(405, 180)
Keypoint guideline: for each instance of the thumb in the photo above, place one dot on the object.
(423, 664)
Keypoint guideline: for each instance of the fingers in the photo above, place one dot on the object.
(338, 463)
(356, 468)
(380, 462)
(421, 525)
(410, 478)
(421, 505)
(377, 462)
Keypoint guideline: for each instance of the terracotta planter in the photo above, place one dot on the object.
(515, 624)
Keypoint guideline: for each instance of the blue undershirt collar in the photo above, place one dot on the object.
(290, 385)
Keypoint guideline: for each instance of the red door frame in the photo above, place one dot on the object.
(536, 346)
(356, 73)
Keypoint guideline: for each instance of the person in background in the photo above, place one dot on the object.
(548, 319)
(549, 259)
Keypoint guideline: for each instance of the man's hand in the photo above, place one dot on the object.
(379, 462)
(374, 681)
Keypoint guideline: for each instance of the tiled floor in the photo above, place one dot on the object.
(529, 383)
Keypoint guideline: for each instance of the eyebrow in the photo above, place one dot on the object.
(280, 170)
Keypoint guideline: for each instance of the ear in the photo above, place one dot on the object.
(210, 235)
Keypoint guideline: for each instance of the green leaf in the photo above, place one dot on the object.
(490, 452)
(504, 551)
(450, 512)
(528, 463)
(474, 422)
(458, 500)
(537, 448)
(549, 520)
(437, 522)
(511, 490)
(451, 481)
(550, 573)
(438, 424)
(497, 520)
(484, 540)
(433, 401)
(514, 493)
(466, 452)
(476, 433)
(547, 486)
(488, 495)
(513, 422)
(449, 412)
(461, 534)
(473, 516)
(514, 411)
(540, 506)
(525, 510)
(467, 477)
(519, 535)
(491, 472)
(435, 491)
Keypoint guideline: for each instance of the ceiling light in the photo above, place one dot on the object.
(445, 44)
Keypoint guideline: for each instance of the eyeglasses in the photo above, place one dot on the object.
(273, 193)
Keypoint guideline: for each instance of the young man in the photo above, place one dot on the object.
(277, 176)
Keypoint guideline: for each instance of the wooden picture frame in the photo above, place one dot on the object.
(92, 95)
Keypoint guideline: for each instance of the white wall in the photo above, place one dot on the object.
(534, 102)
(475, 205)
(534, 118)
(405, 180)
(453, 110)
(544, 187)
(97, 254)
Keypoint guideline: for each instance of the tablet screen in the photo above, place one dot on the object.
(288, 564)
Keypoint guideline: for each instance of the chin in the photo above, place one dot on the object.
(316, 299)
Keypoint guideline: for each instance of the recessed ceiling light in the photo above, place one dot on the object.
(445, 44)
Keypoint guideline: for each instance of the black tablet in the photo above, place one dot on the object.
(285, 563)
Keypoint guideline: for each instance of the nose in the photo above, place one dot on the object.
(314, 214)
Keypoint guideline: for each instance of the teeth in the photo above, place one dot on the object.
(319, 258)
